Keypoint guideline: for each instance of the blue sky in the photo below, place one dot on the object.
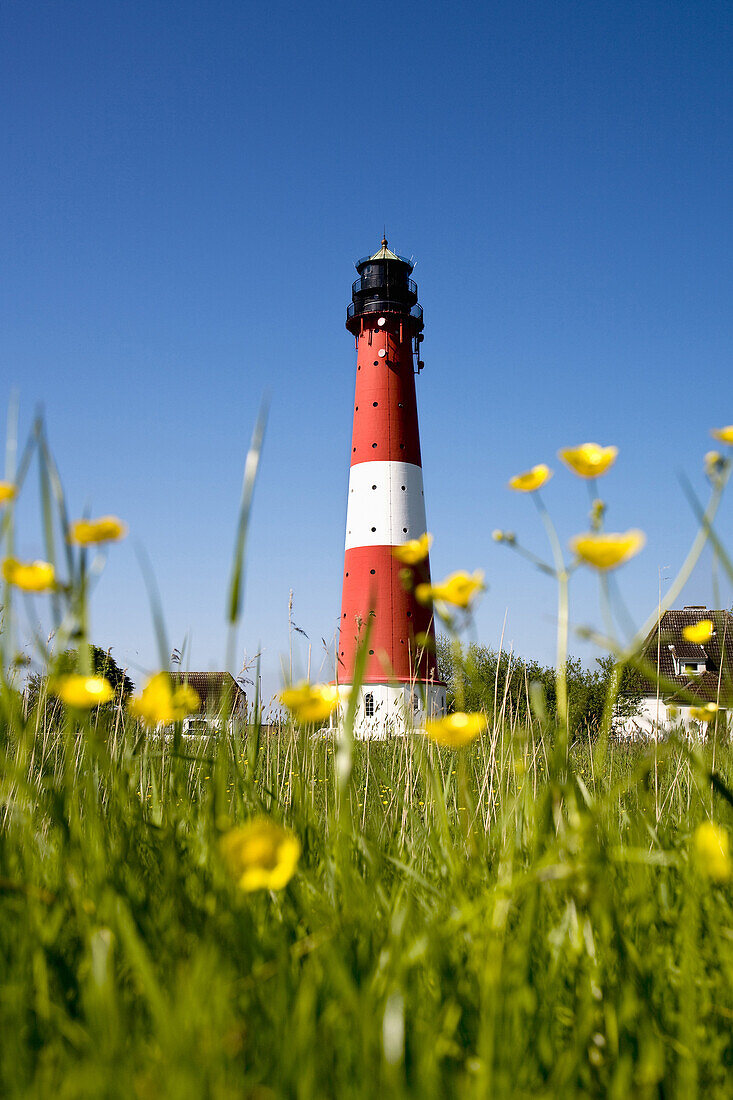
(185, 188)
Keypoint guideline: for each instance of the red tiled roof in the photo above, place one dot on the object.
(666, 641)
(212, 689)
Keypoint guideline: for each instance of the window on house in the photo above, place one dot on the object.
(369, 705)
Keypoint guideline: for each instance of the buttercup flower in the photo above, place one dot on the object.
(530, 479)
(455, 730)
(83, 692)
(310, 702)
(161, 703)
(106, 529)
(589, 459)
(458, 589)
(711, 847)
(698, 632)
(7, 491)
(704, 714)
(413, 551)
(725, 435)
(260, 855)
(35, 576)
(504, 536)
(606, 551)
(714, 463)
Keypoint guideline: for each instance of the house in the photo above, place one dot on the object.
(691, 674)
(222, 700)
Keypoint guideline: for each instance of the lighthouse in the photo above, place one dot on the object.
(386, 508)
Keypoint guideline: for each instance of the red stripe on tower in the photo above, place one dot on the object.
(386, 506)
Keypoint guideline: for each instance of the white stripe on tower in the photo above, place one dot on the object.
(386, 504)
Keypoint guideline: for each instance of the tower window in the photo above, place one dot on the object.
(373, 530)
(371, 571)
(369, 705)
(376, 362)
(371, 652)
(402, 446)
(402, 487)
(375, 404)
(373, 486)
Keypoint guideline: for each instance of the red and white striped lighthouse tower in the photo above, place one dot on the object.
(386, 507)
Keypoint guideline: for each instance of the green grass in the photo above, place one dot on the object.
(512, 920)
(460, 925)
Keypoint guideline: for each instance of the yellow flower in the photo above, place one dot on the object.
(457, 589)
(698, 632)
(36, 576)
(589, 459)
(530, 479)
(713, 462)
(725, 435)
(161, 703)
(7, 491)
(413, 551)
(105, 529)
(310, 702)
(704, 714)
(606, 551)
(83, 692)
(260, 855)
(711, 846)
(455, 730)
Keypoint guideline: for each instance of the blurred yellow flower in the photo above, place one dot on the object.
(704, 714)
(82, 692)
(161, 703)
(105, 529)
(725, 435)
(711, 846)
(698, 632)
(589, 459)
(7, 491)
(606, 551)
(530, 479)
(35, 576)
(455, 730)
(260, 855)
(310, 702)
(413, 551)
(458, 589)
(713, 462)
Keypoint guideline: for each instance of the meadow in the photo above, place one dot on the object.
(472, 924)
(518, 913)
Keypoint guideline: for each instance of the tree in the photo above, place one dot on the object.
(102, 664)
(480, 678)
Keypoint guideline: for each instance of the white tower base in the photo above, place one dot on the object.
(392, 710)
